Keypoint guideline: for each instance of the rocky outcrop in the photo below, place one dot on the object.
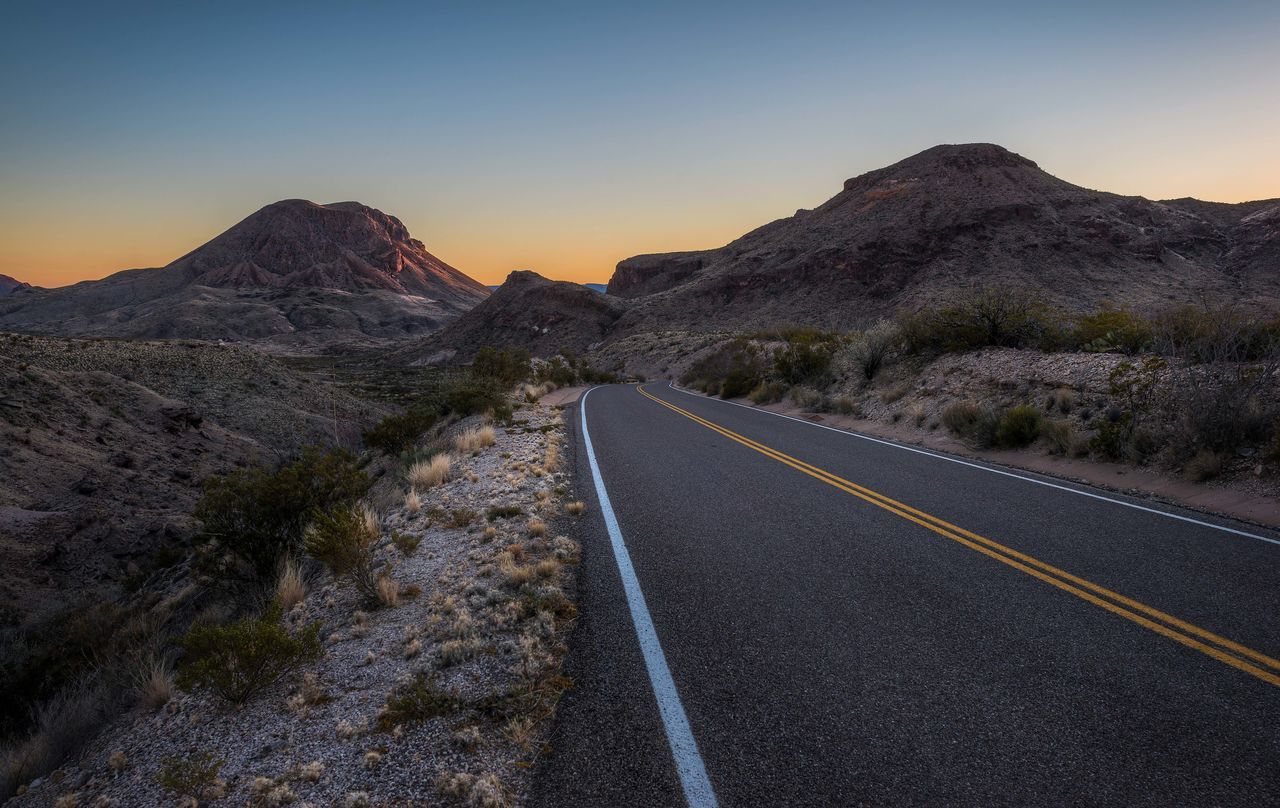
(10, 285)
(528, 311)
(944, 221)
(294, 275)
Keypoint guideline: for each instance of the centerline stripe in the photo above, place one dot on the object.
(693, 773)
(1160, 622)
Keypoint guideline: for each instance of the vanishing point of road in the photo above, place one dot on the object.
(778, 613)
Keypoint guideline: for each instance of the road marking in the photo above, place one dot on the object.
(693, 773)
(1220, 648)
(981, 467)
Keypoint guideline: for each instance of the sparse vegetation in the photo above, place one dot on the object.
(194, 776)
(398, 433)
(428, 473)
(240, 659)
(475, 439)
(343, 540)
(259, 515)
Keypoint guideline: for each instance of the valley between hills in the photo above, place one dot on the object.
(313, 443)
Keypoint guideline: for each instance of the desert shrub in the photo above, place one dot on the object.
(238, 660)
(1018, 427)
(190, 776)
(970, 422)
(1112, 330)
(1206, 465)
(417, 701)
(507, 366)
(343, 540)
(260, 515)
(397, 433)
(988, 318)
(1060, 435)
(473, 395)
(803, 361)
(497, 512)
(60, 728)
(769, 392)
(406, 543)
(806, 398)
(557, 371)
(872, 348)
(732, 370)
(1132, 387)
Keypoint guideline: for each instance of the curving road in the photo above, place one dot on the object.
(775, 613)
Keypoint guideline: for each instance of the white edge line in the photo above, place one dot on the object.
(693, 773)
(1001, 472)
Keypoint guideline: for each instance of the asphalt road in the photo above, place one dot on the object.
(976, 638)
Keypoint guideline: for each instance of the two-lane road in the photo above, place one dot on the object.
(774, 613)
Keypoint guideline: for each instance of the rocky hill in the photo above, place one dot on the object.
(527, 311)
(950, 218)
(294, 275)
(9, 285)
(104, 445)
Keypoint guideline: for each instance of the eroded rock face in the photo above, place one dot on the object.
(945, 220)
(294, 275)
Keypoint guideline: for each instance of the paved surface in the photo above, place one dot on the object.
(830, 651)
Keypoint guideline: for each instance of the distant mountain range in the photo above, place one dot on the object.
(298, 276)
(940, 223)
(294, 275)
(951, 218)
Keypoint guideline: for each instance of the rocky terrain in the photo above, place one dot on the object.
(948, 219)
(294, 276)
(9, 285)
(104, 445)
(528, 311)
(476, 629)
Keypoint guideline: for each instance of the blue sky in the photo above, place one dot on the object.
(567, 136)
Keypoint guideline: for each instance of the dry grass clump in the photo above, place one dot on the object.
(537, 527)
(475, 439)
(575, 508)
(475, 791)
(412, 501)
(371, 759)
(117, 761)
(61, 726)
(291, 588)
(153, 680)
(428, 473)
(311, 772)
(552, 457)
(357, 799)
(388, 592)
(346, 730)
(1204, 466)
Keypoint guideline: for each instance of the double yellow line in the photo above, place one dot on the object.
(1222, 649)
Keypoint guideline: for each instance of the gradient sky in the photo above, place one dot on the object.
(564, 137)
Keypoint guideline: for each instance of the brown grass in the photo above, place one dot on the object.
(575, 508)
(475, 439)
(291, 589)
(428, 473)
(537, 527)
(412, 502)
(388, 592)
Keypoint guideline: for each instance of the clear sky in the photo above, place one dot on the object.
(564, 137)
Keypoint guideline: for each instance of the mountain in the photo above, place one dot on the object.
(527, 311)
(10, 285)
(946, 220)
(294, 275)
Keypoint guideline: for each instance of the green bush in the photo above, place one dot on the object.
(803, 362)
(191, 776)
(259, 515)
(507, 366)
(732, 370)
(769, 392)
(343, 540)
(416, 702)
(398, 433)
(1112, 330)
(238, 660)
(1019, 427)
(990, 318)
(472, 395)
(970, 422)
